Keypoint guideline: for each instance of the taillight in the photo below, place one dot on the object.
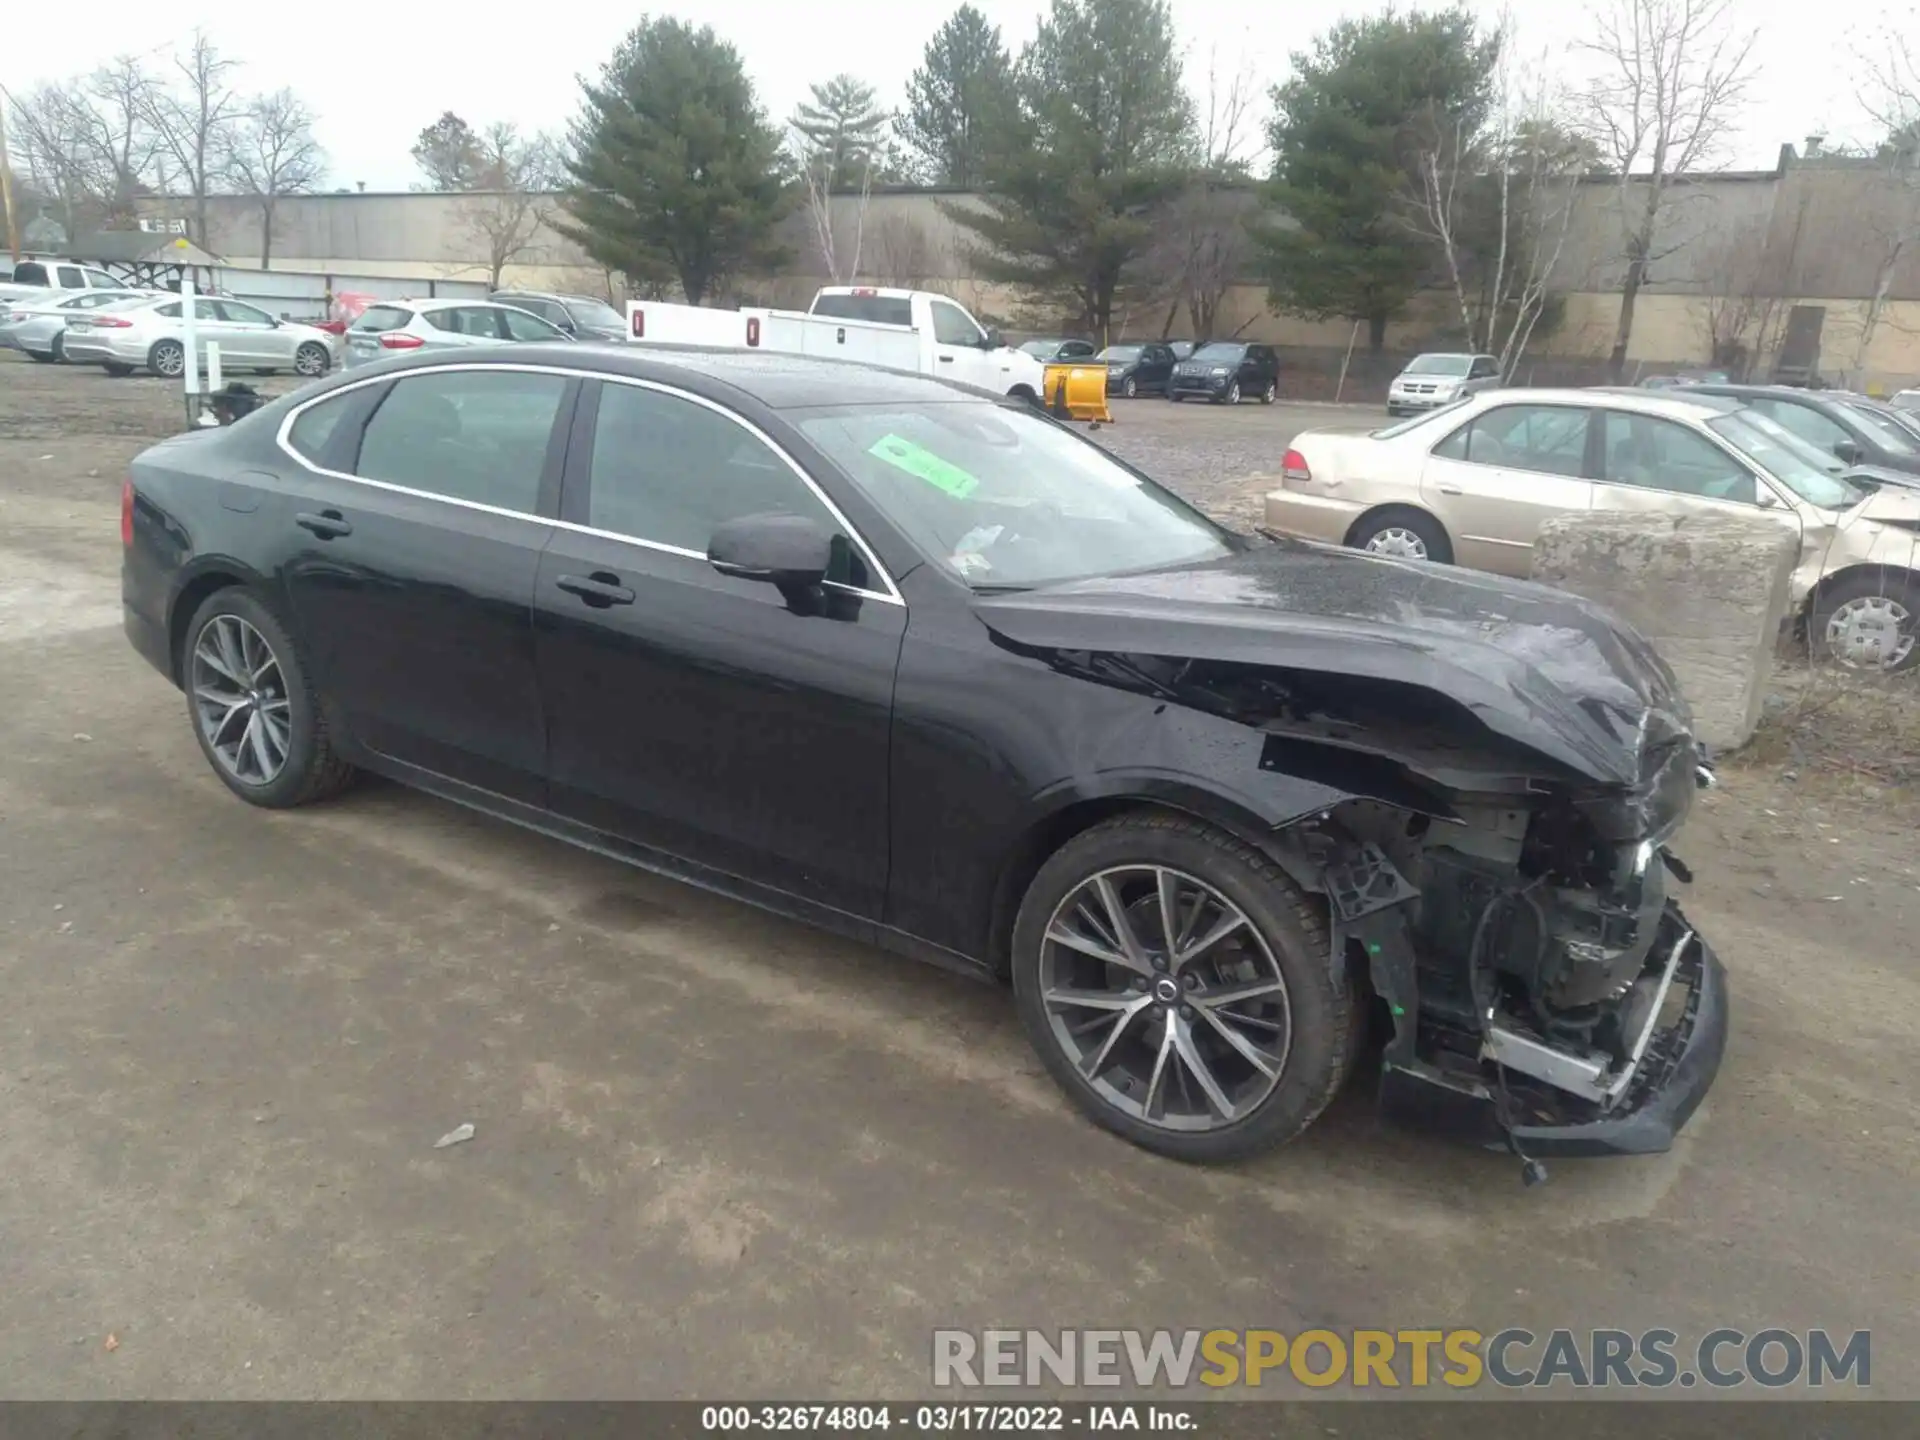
(332, 327)
(400, 340)
(126, 513)
(107, 322)
(1294, 467)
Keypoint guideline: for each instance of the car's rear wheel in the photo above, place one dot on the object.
(167, 359)
(58, 350)
(1271, 393)
(311, 359)
(1869, 621)
(1176, 984)
(1404, 534)
(253, 707)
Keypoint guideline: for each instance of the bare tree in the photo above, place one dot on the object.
(1230, 129)
(1740, 311)
(195, 119)
(515, 177)
(50, 134)
(1670, 76)
(1889, 223)
(88, 144)
(822, 168)
(274, 155)
(902, 253)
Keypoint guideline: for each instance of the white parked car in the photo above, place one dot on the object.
(37, 328)
(398, 327)
(150, 335)
(49, 279)
(1430, 381)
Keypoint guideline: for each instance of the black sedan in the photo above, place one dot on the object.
(1224, 370)
(1138, 369)
(1852, 429)
(935, 672)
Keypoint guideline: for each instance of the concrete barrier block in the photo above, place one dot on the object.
(1710, 591)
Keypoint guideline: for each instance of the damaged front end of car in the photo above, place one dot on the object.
(1499, 865)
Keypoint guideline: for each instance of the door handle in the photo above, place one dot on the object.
(600, 589)
(328, 524)
(1449, 489)
(944, 359)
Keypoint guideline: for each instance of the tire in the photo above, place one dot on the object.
(1130, 388)
(1271, 393)
(1232, 397)
(1376, 532)
(1175, 396)
(311, 360)
(310, 769)
(167, 359)
(58, 350)
(1284, 934)
(116, 369)
(1868, 621)
(39, 359)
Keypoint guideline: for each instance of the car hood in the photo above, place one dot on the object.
(1546, 669)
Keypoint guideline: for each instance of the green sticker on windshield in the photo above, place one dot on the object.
(921, 462)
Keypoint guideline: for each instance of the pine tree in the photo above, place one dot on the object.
(677, 172)
(961, 103)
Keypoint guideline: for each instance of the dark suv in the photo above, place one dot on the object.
(1224, 370)
(581, 316)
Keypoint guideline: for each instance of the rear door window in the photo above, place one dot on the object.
(1551, 439)
(521, 326)
(1650, 453)
(70, 277)
(474, 435)
(876, 309)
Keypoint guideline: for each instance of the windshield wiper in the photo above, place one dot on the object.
(1000, 587)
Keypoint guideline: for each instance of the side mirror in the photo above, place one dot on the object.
(992, 340)
(1847, 450)
(790, 551)
(1765, 498)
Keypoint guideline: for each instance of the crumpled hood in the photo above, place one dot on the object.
(1547, 669)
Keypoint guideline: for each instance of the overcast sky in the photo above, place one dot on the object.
(375, 73)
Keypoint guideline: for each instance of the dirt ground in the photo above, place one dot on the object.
(720, 1155)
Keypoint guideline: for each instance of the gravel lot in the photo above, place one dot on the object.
(721, 1155)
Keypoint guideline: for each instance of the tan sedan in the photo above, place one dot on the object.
(1472, 485)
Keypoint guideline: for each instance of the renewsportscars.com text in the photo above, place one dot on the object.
(1513, 1358)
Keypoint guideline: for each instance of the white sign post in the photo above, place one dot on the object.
(190, 337)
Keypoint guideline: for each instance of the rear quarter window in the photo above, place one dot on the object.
(875, 309)
(30, 272)
(310, 433)
(376, 318)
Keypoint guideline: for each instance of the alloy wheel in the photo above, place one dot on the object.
(240, 700)
(1165, 997)
(1131, 388)
(169, 360)
(310, 360)
(1398, 541)
(1870, 632)
(1233, 393)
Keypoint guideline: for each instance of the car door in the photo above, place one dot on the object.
(697, 713)
(248, 334)
(1156, 364)
(411, 557)
(959, 351)
(1653, 464)
(1496, 479)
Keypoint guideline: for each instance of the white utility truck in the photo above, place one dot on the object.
(896, 329)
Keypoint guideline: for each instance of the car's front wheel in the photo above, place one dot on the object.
(1176, 984)
(1130, 388)
(116, 370)
(311, 359)
(253, 707)
(1869, 621)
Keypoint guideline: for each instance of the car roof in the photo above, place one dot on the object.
(1684, 402)
(778, 381)
(1782, 392)
(436, 302)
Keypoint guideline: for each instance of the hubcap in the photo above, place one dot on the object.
(1873, 632)
(1132, 386)
(170, 361)
(1399, 541)
(1165, 997)
(240, 699)
(309, 362)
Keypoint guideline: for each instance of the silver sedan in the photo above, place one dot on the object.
(151, 335)
(399, 327)
(37, 328)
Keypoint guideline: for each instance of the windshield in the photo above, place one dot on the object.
(1006, 499)
(1785, 457)
(1220, 350)
(1120, 352)
(595, 312)
(1440, 365)
(1889, 433)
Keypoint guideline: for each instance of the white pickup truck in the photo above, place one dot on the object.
(896, 329)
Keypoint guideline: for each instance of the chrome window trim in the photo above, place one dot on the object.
(890, 596)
